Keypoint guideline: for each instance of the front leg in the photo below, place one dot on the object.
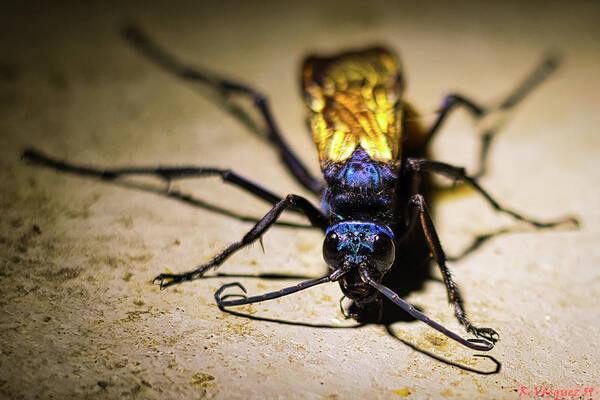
(419, 210)
(222, 303)
(291, 201)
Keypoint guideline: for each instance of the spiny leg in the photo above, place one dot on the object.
(420, 211)
(226, 87)
(492, 119)
(316, 218)
(166, 173)
(418, 166)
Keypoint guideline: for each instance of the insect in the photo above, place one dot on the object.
(372, 152)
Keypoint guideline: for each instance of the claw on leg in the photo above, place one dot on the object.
(166, 280)
(218, 293)
(486, 333)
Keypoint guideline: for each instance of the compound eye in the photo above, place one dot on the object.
(330, 249)
(384, 252)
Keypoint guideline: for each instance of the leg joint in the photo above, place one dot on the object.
(413, 164)
(418, 201)
(291, 200)
(260, 99)
(450, 100)
(226, 174)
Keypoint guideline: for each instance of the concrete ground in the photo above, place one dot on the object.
(79, 317)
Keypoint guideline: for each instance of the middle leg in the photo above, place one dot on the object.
(316, 218)
(166, 173)
(419, 165)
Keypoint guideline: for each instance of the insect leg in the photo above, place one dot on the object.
(419, 210)
(267, 296)
(475, 344)
(492, 119)
(226, 87)
(458, 173)
(291, 201)
(450, 103)
(498, 116)
(166, 173)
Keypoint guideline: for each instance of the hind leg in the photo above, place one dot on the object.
(491, 120)
(227, 88)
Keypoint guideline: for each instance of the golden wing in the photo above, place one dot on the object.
(355, 101)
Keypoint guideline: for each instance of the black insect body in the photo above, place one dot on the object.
(372, 155)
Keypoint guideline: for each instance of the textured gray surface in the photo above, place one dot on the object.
(79, 317)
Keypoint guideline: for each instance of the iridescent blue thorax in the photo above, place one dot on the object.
(360, 188)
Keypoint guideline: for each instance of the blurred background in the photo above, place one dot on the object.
(79, 316)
